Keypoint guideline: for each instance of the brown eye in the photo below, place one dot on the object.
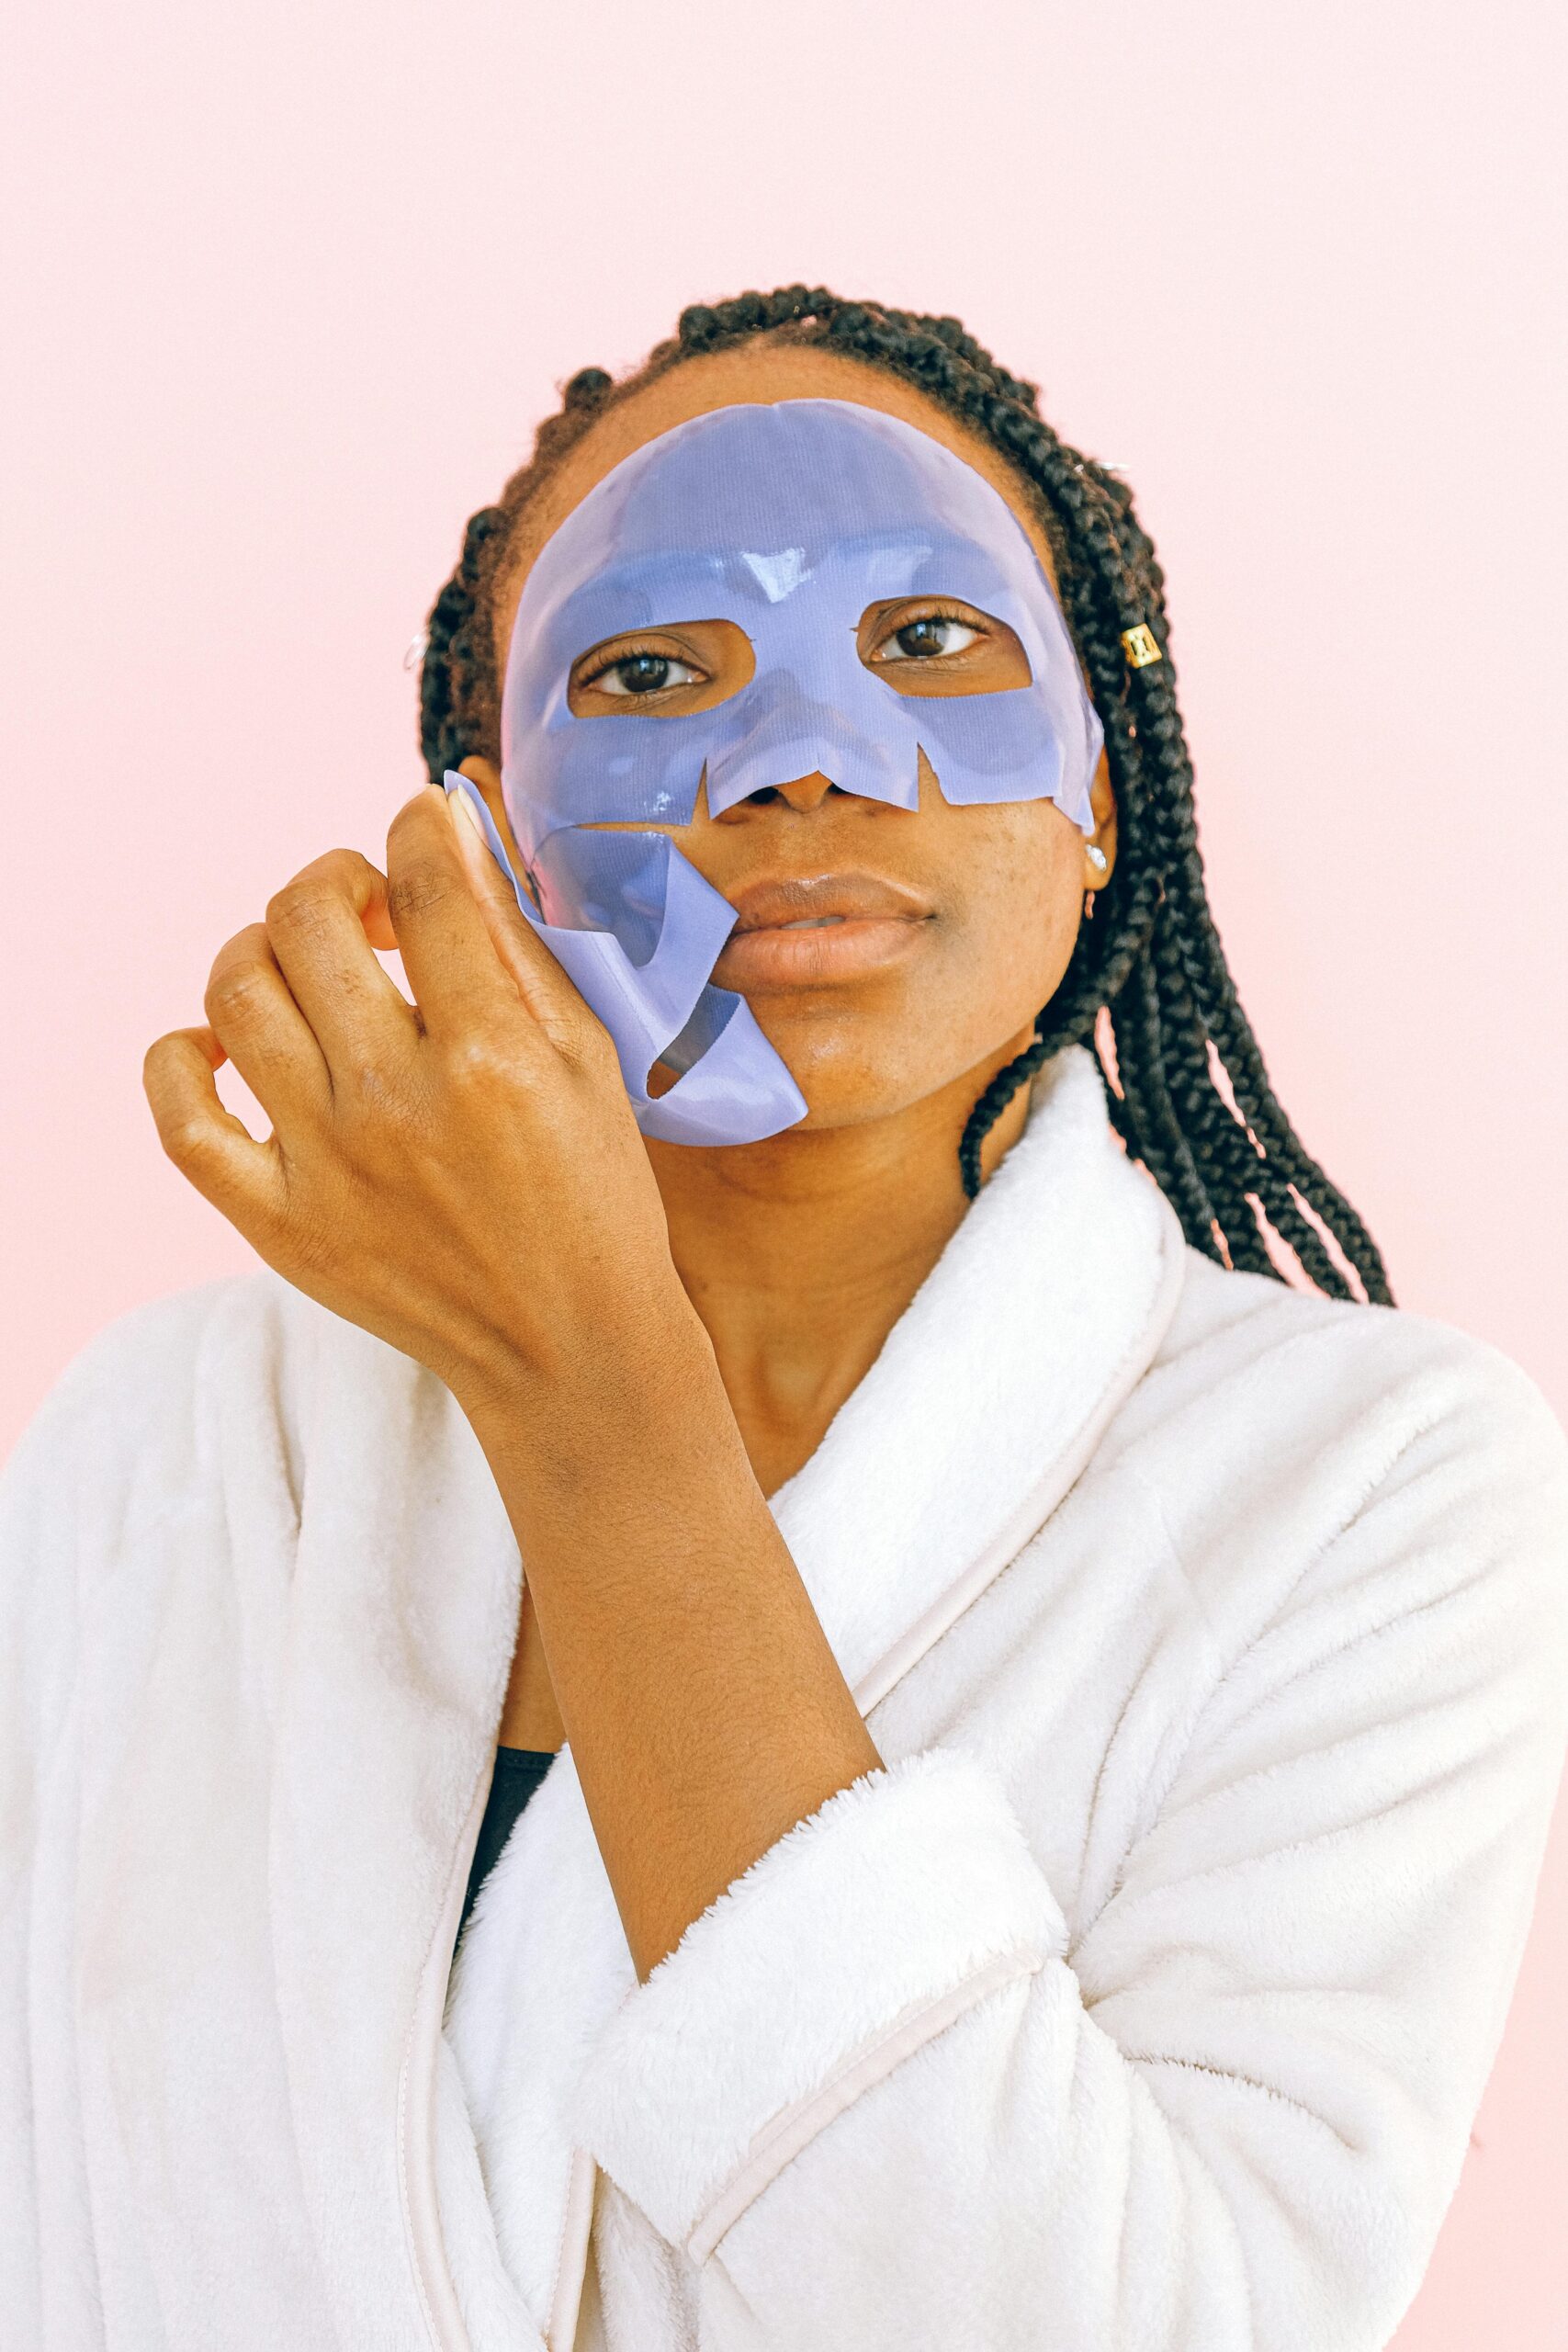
(932, 633)
(643, 673)
(939, 645)
(666, 671)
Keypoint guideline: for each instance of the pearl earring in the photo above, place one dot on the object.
(1096, 856)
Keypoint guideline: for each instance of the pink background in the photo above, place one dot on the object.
(291, 287)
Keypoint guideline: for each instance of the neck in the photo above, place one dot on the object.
(801, 1254)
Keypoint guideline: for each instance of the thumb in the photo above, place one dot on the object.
(525, 957)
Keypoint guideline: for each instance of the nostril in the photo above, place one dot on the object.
(801, 793)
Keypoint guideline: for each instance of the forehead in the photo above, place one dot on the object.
(768, 500)
(732, 380)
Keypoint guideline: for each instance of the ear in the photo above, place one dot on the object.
(1102, 800)
(487, 775)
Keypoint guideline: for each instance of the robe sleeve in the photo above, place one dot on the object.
(97, 1472)
(45, 2253)
(884, 2098)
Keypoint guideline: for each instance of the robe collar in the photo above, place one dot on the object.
(991, 1390)
(332, 1609)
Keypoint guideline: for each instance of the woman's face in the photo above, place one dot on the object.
(885, 952)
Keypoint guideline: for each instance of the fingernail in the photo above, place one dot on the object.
(462, 807)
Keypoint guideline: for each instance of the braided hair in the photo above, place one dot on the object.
(1147, 986)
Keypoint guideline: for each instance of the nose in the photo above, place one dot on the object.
(803, 795)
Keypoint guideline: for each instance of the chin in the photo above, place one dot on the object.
(853, 1087)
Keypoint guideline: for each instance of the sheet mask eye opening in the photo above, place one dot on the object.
(718, 651)
(994, 660)
(781, 521)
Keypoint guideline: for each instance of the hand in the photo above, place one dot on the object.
(463, 1176)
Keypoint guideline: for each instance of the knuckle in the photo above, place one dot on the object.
(235, 993)
(342, 865)
(299, 909)
(374, 1095)
(344, 874)
(186, 1140)
(481, 1062)
(416, 889)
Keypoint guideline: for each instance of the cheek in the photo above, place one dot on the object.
(1023, 896)
(1008, 885)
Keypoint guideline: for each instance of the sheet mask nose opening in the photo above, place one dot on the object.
(789, 520)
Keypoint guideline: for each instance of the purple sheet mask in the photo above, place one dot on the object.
(788, 520)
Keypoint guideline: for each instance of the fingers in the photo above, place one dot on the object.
(258, 1025)
(320, 927)
(544, 987)
(448, 939)
(209, 1145)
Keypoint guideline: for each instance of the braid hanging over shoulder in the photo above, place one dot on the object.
(1147, 987)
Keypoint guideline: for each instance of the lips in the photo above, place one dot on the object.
(773, 904)
(808, 929)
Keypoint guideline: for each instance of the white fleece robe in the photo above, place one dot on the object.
(1215, 1639)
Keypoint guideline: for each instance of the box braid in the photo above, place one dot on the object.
(1188, 1092)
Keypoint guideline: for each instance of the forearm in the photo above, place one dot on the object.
(706, 1711)
(417, 1159)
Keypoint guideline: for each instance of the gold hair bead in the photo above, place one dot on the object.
(1141, 646)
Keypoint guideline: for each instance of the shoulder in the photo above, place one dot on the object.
(166, 1402)
(137, 1364)
(1293, 1440)
(147, 1367)
(1325, 1364)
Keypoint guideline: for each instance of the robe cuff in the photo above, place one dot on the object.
(868, 1927)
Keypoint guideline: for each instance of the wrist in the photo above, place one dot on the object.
(630, 1361)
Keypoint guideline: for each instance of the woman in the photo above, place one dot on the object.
(1050, 1729)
